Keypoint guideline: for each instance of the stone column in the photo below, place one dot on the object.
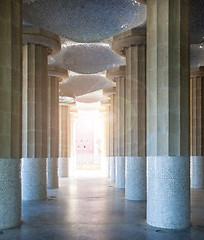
(63, 137)
(56, 75)
(37, 45)
(108, 139)
(106, 113)
(118, 75)
(69, 139)
(197, 127)
(111, 94)
(132, 45)
(112, 157)
(168, 118)
(10, 113)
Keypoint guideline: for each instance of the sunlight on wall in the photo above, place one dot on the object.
(89, 145)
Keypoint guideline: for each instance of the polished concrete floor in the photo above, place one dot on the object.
(92, 208)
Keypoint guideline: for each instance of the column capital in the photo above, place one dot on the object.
(132, 37)
(60, 73)
(115, 73)
(105, 103)
(109, 91)
(197, 72)
(39, 36)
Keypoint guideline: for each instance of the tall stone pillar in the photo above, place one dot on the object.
(64, 116)
(168, 118)
(107, 129)
(112, 156)
(56, 75)
(111, 94)
(106, 113)
(38, 44)
(197, 125)
(118, 75)
(132, 45)
(10, 113)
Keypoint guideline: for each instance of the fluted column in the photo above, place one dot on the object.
(133, 41)
(197, 127)
(112, 135)
(168, 118)
(56, 75)
(118, 75)
(63, 137)
(37, 45)
(70, 132)
(106, 138)
(10, 113)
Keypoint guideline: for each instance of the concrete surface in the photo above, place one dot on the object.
(87, 209)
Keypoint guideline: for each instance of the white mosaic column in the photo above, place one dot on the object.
(168, 120)
(10, 113)
(38, 44)
(56, 75)
(118, 75)
(64, 115)
(197, 123)
(132, 45)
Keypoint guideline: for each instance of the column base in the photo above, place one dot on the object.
(52, 173)
(112, 169)
(168, 192)
(63, 167)
(135, 176)
(10, 193)
(120, 172)
(197, 171)
(34, 178)
(107, 166)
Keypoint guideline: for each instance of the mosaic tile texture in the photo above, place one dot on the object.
(10, 193)
(85, 21)
(197, 55)
(86, 58)
(197, 21)
(112, 169)
(75, 86)
(34, 178)
(120, 172)
(52, 173)
(93, 97)
(197, 172)
(135, 178)
(63, 167)
(168, 192)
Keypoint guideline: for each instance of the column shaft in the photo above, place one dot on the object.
(107, 140)
(135, 188)
(112, 143)
(35, 100)
(120, 111)
(10, 112)
(168, 193)
(63, 138)
(53, 131)
(197, 130)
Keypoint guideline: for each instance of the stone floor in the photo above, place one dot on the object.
(92, 208)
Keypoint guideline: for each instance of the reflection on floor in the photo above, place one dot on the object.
(91, 208)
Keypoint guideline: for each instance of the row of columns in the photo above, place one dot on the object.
(29, 108)
(155, 118)
(167, 118)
